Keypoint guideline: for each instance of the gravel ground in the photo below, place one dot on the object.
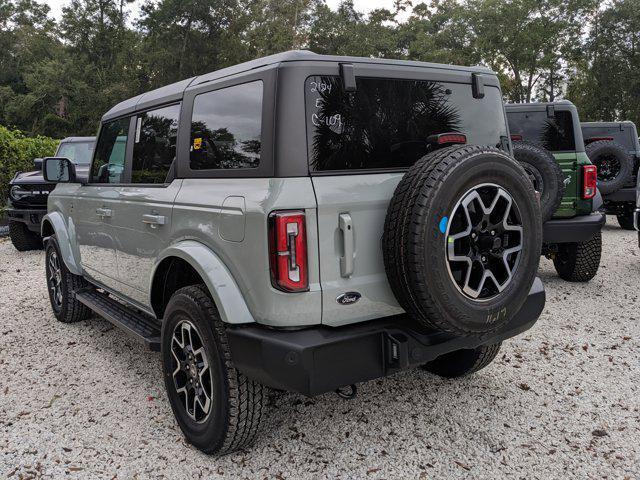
(562, 400)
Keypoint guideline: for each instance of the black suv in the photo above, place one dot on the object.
(29, 192)
(614, 148)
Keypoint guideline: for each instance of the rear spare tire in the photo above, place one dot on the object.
(614, 164)
(462, 239)
(545, 174)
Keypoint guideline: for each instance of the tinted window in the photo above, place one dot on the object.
(108, 161)
(226, 128)
(386, 122)
(554, 134)
(78, 152)
(154, 150)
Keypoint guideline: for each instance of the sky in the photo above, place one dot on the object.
(361, 5)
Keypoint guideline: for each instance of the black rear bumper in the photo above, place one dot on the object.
(32, 217)
(573, 230)
(320, 359)
(626, 194)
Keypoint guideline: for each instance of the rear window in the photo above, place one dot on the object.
(623, 137)
(554, 134)
(79, 153)
(386, 122)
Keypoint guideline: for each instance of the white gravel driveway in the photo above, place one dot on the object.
(561, 401)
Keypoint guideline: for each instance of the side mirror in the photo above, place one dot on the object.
(38, 163)
(59, 170)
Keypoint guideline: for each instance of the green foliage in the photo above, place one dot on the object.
(58, 78)
(17, 153)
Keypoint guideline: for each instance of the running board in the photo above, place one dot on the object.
(137, 324)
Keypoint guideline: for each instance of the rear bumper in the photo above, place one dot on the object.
(32, 218)
(573, 230)
(626, 194)
(320, 359)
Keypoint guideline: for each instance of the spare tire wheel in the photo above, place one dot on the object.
(545, 174)
(462, 239)
(614, 164)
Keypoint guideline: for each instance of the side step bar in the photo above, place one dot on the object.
(137, 324)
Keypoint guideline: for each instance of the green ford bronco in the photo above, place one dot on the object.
(547, 141)
(301, 222)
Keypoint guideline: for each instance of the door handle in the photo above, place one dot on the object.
(347, 261)
(154, 220)
(104, 212)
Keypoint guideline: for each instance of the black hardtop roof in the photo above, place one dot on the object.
(628, 123)
(538, 105)
(174, 91)
(77, 139)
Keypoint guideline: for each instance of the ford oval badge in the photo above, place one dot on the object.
(348, 298)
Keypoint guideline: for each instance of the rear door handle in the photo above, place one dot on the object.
(104, 212)
(347, 261)
(154, 220)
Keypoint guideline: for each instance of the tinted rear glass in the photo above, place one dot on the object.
(386, 122)
(554, 134)
(623, 137)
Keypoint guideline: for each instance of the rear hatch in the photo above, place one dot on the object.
(557, 129)
(359, 146)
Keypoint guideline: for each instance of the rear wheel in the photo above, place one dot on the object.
(625, 220)
(463, 362)
(462, 239)
(23, 238)
(579, 262)
(217, 408)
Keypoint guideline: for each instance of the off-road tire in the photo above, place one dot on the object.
(414, 247)
(71, 310)
(463, 362)
(597, 150)
(579, 262)
(540, 164)
(238, 402)
(23, 238)
(625, 220)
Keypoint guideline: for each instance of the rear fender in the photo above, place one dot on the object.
(53, 223)
(221, 285)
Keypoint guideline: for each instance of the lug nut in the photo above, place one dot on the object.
(484, 259)
(493, 232)
(473, 235)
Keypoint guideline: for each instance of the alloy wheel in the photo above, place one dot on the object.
(191, 372)
(54, 278)
(484, 241)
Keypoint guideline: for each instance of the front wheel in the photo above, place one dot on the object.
(579, 262)
(22, 238)
(217, 408)
(63, 285)
(463, 362)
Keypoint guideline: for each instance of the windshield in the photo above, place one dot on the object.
(79, 153)
(386, 122)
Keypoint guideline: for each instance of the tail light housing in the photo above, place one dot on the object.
(516, 138)
(589, 181)
(288, 251)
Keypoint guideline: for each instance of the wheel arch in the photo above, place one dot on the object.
(53, 224)
(189, 262)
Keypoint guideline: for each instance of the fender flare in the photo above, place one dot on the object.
(221, 285)
(70, 255)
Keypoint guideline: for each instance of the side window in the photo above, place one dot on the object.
(108, 161)
(226, 128)
(154, 150)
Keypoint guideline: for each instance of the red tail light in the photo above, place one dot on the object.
(448, 139)
(589, 181)
(516, 138)
(288, 251)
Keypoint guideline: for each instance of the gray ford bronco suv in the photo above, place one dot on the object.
(300, 222)
(28, 193)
